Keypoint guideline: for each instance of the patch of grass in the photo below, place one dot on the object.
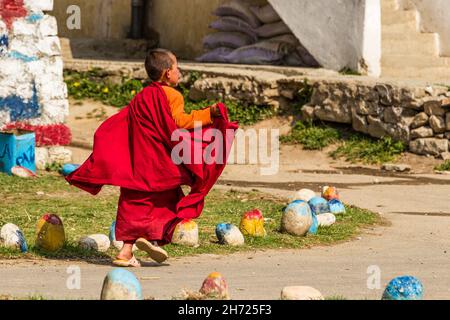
(336, 298)
(24, 201)
(368, 150)
(443, 167)
(311, 136)
(349, 72)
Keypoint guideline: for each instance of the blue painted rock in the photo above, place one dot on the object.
(326, 219)
(215, 286)
(336, 207)
(300, 293)
(12, 237)
(112, 238)
(404, 288)
(304, 195)
(69, 168)
(97, 242)
(330, 193)
(121, 284)
(252, 224)
(229, 234)
(50, 233)
(297, 218)
(319, 205)
(315, 225)
(186, 233)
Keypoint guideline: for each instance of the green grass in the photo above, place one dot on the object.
(311, 136)
(359, 148)
(83, 214)
(444, 166)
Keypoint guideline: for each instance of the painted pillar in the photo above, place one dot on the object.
(33, 94)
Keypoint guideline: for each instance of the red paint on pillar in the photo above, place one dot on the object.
(46, 135)
(11, 10)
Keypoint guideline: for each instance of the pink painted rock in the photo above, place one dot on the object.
(215, 286)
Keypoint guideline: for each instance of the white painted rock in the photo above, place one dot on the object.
(98, 242)
(229, 234)
(304, 195)
(300, 293)
(121, 284)
(297, 218)
(186, 234)
(326, 219)
(12, 237)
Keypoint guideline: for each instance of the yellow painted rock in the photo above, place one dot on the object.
(50, 233)
(215, 286)
(186, 233)
(252, 224)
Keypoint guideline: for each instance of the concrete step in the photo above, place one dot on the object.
(420, 44)
(399, 17)
(389, 5)
(435, 75)
(413, 61)
(400, 28)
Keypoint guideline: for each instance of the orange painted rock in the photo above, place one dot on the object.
(215, 286)
(50, 233)
(252, 224)
(186, 233)
(330, 193)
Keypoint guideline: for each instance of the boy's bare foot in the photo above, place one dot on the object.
(154, 251)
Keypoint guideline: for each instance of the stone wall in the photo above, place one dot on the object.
(33, 95)
(416, 113)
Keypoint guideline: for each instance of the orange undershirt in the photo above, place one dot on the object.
(182, 119)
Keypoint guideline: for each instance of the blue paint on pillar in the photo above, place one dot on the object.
(20, 56)
(4, 44)
(35, 17)
(19, 109)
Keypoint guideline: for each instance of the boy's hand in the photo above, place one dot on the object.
(215, 112)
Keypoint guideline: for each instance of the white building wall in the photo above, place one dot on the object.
(338, 33)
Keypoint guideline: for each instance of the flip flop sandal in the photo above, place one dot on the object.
(156, 253)
(133, 262)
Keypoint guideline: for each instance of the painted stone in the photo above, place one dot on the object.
(121, 284)
(326, 219)
(319, 205)
(12, 237)
(97, 242)
(22, 172)
(252, 224)
(112, 238)
(304, 195)
(50, 233)
(315, 225)
(229, 234)
(297, 218)
(404, 288)
(336, 207)
(69, 168)
(186, 234)
(300, 293)
(330, 193)
(215, 286)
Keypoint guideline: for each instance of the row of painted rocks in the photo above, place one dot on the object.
(121, 284)
(304, 215)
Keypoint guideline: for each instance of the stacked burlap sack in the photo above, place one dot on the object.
(253, 35)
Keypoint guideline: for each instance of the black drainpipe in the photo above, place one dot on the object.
(137, 19)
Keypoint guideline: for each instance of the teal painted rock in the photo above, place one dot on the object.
(121, 284)
(297, 218)
(404, 288)
(69, 168)
(12, 237)
(336, 207)
(315, 225)
(326, 219)
(229, 234)
(319, 205)
(96, 242)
